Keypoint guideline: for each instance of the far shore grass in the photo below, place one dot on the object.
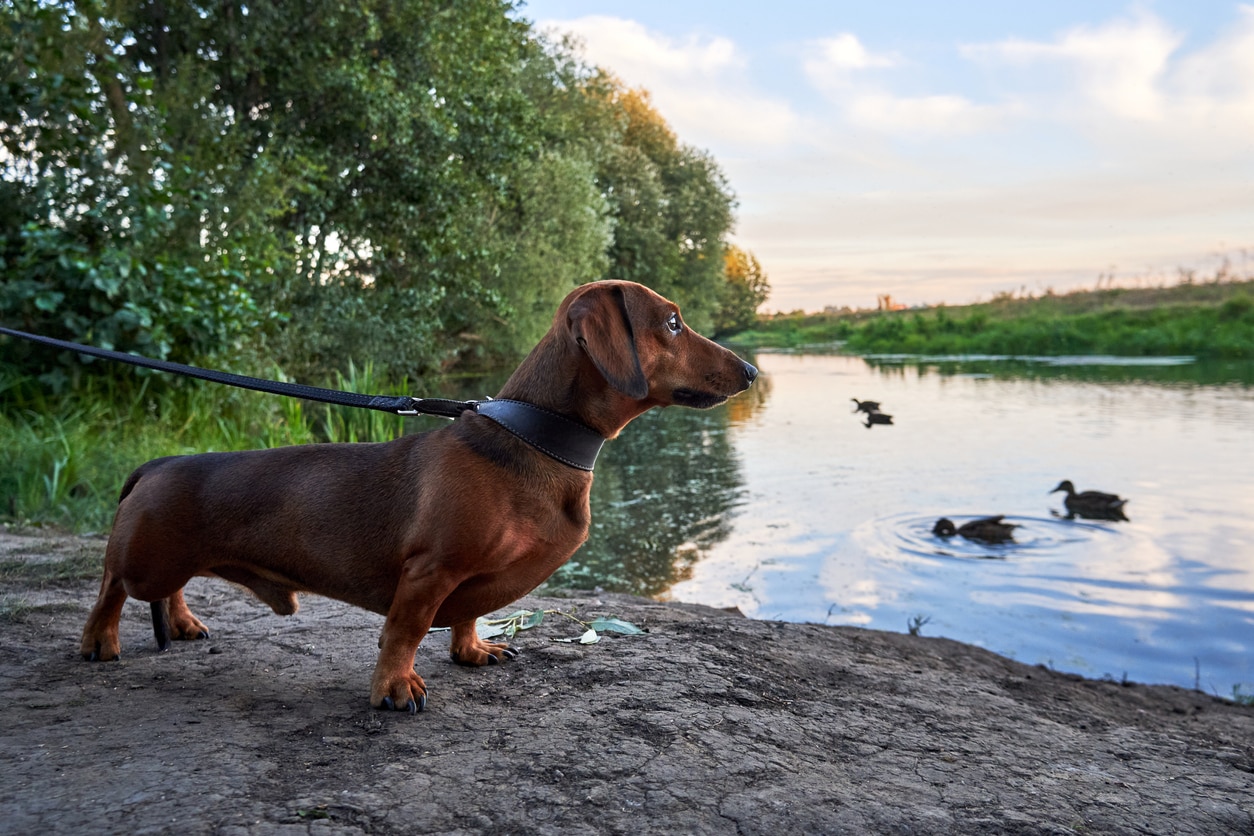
(1208, 320)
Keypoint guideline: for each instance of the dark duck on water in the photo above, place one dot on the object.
(985, 529)
(1091, 504)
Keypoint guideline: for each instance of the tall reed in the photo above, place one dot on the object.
(68, 454)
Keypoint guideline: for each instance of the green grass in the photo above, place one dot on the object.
(68, 455)
(1211, 320)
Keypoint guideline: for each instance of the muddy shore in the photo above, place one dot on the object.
(708, 723)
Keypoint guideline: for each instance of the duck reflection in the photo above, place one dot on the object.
(873, 418)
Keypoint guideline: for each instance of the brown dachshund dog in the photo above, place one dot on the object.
(431, 529)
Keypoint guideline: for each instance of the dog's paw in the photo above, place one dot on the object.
(183, 625)
(101, 647)
(189, 629)
(477, 653)
(406, 692)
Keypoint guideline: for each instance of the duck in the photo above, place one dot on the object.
(1091, 504)
(985, 529)
(877, 418)
(866, 406)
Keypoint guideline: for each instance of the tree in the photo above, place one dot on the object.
(745, 289)
(671, 205)
(410, 182)
(90, 228)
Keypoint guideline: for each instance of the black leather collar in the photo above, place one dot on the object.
(570, 442)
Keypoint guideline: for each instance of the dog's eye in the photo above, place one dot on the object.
(674, 324)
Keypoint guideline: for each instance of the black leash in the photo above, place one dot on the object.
(558, 437)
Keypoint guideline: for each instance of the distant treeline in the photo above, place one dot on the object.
(1208, 319)
(411, 183)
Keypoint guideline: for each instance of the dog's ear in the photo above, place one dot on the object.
(601, 324)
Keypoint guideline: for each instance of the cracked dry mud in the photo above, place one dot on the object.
(710, 723)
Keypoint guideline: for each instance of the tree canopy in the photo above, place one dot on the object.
(411, 182)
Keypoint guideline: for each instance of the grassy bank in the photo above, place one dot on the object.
(1206, 320)
(67, 455)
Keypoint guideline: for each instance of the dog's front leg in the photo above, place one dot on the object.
(419, 593)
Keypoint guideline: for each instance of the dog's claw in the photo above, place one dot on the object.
(510, 653)
(493, 659)
(411, 705)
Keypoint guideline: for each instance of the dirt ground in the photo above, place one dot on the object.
(709, 723)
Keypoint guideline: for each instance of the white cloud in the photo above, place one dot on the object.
(841, 68)
(1214, 87)
(1128, 81)
(1118, 66)
(625, 45)
(840, 54)
(698, 83)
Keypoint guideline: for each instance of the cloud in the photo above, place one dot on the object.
(628, 46)
(1118, 66)
(698, 83)
(841, 67)
(840, 54)
(1131, 79)
(1127, 82)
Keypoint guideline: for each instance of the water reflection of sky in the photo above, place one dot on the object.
(834, 522)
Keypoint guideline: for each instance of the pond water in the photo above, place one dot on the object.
(784, 504)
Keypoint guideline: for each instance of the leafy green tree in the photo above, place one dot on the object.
(415, 183)
(671, 204)
(90, 211)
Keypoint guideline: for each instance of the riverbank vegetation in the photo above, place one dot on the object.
(400, 181)
(68, 455)
(1204, 319)
(406, 187)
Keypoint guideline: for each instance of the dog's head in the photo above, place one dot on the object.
(638, 342)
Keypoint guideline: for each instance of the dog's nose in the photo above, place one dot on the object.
(751, 372)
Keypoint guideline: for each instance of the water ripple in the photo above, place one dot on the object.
(892, 536)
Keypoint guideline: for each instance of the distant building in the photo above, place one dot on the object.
(886, 303)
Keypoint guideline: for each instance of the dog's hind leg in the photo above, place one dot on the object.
(184, 625)
(100, 635)
(171, 619)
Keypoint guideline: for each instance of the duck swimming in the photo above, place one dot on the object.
(866, 406)
(1091, 504)
(985, 529)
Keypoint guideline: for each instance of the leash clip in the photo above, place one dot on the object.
(443, 407)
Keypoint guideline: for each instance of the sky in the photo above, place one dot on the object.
(947, 152)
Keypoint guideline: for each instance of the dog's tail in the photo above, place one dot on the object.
(161, 623)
